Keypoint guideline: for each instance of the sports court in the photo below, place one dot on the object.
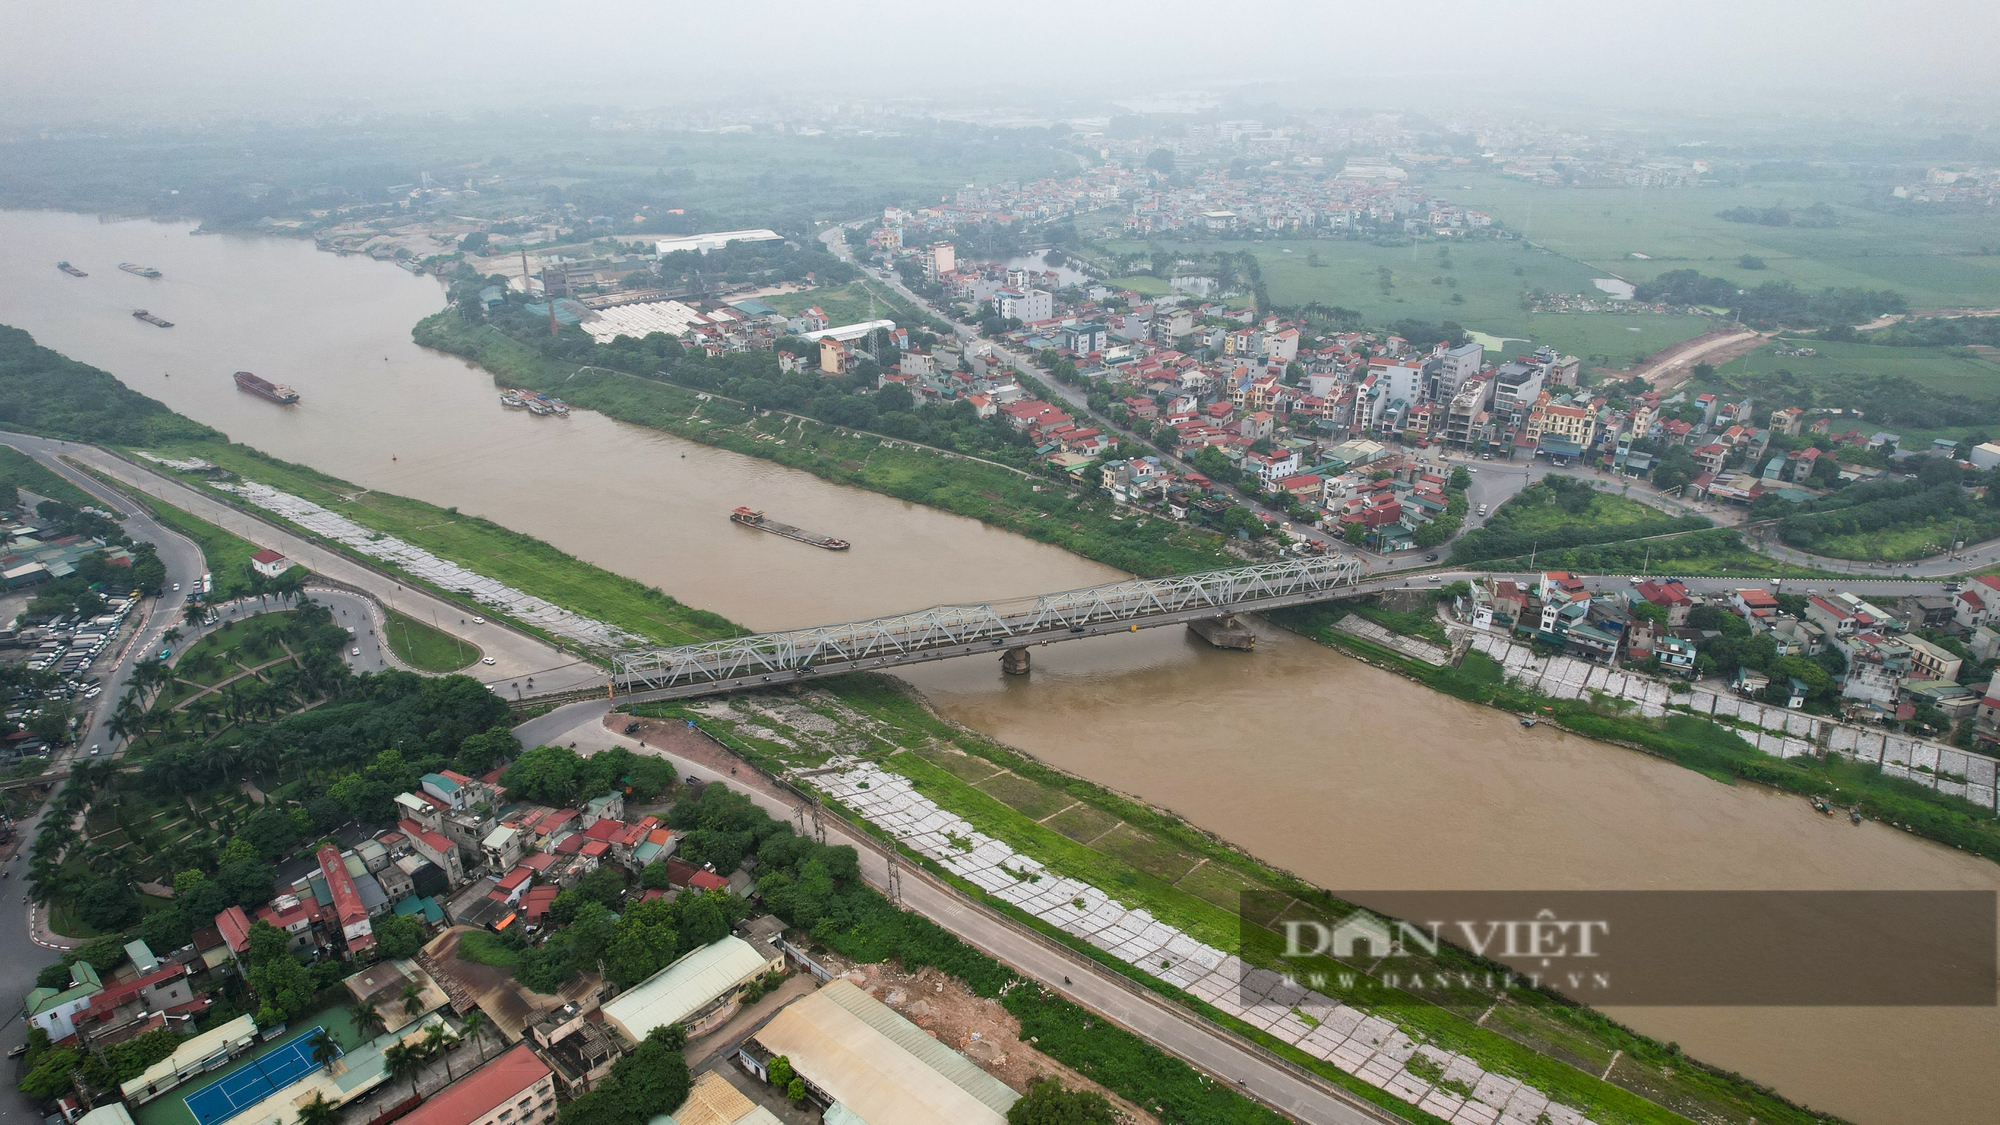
(263, 1076)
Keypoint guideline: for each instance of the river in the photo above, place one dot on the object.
(1351, 777)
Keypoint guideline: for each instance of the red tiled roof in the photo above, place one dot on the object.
(346, 900)
(483, 1091)
(515, 878)
(235, 928)
(707, 881)
(431, 840)
(595, 849)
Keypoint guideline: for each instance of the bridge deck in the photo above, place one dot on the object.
(949, 631)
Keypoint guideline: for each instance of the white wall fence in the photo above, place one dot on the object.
(1781, 733)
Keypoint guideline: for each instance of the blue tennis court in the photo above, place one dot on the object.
(256, 1080)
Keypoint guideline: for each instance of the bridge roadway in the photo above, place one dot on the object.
(961, 630)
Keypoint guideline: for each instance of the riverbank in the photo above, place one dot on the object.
(1049, 510)
(1155, 862)
(1699, 744)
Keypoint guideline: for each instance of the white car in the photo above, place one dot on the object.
(486, 660)
(356, 652)
(479, 621)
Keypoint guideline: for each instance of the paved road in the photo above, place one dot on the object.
(517, 656)
(1204, 1045)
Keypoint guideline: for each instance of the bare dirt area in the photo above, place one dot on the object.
(1668, 367)
(978, 1028)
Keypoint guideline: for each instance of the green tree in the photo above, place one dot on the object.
(398, 936)
(1049, 1102)
(548, 774)
(50, 1076)
(318, 1111)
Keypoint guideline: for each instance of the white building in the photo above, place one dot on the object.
(716, 240)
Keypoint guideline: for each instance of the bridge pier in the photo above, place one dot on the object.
(1014, 662)
(1224, 632)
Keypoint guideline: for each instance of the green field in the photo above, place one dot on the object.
(519, 560)
(1423, 282)
(1142, 285)
(21, 471)
(1966, 374)
(845, 304)
(424, 648)
(1931, 257)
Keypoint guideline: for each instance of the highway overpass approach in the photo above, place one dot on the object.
(961, 630)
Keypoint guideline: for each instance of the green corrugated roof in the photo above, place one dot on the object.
(956, 1068)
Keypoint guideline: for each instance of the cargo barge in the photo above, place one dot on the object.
(264, 388)
(749, 518)
(70, 270)
(534, 402)
(149, 318)
(142, 271)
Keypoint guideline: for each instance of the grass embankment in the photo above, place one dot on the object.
(226, 554)
(1697, 743)
(521, 561)
(1042, 509)
(1152, 860)
(1565, 523)
(424, 648)
(22, 472)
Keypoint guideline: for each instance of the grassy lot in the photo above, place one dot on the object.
(1143, 285)
(1894, 544)
(1966, 374)
(227, 554)
(1928, 256)
(1148, 859)
(21, 471)
(427, 649)
(483, 948)
(520, 561)
(229, 651)
(845, 304)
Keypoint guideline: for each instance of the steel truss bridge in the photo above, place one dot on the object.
(960, 630)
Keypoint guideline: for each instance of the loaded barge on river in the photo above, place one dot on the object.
(70, 270)
(749, 518)
(142, 271)
(264, 388)
(149, 318)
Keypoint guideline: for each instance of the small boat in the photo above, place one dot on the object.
(558, 407)
(512, 400)
(537, 407)
(149, 318)
(70, 270)
(1855, 815)
(1529, 721)
(1822, 806)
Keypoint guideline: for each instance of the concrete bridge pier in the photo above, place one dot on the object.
(1224, 632)
(1014, 661)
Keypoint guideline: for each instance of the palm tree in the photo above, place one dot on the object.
(475, 1026)
(324, 1049)
(413, 998)
(172, 635)
(318, 1111)
(435, 1042)
(194, 614)
(403, 1062)
(368, 1020)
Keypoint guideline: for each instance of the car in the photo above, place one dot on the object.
(177, 587)
(1432, 557)
(355, 652)
(486, 660)
(19, 1050)
(1472, 468)
(1775, 582)
(1486, 457)
(1436, 578)
(95, 750)
(479, 621)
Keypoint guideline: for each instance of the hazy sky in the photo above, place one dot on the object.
(81, 58)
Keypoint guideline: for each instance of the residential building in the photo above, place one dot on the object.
(435, 848)
(1931, 662)
(54, 1010)
(940, 258)
(356, 933)
(513, 1089)
(832, 356)
(269, 564)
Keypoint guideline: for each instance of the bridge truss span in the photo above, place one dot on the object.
(957, 630)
